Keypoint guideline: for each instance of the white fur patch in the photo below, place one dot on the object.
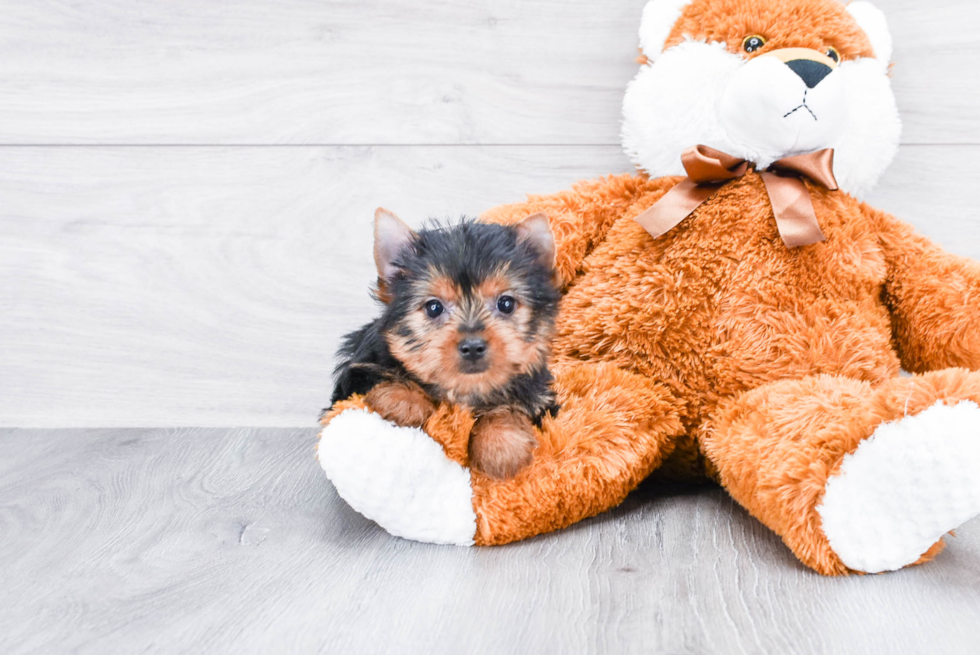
(673, 104)
(872, 21)
(907, 485)
(399, 478)
(873, 131)
(658, 20)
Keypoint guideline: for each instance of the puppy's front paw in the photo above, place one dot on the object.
(502, 443)
(402, 403)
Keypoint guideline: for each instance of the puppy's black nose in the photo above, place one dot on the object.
(811, 72)
(473, 349)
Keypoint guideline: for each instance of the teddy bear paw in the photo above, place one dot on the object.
(399, 478)
(907, 485)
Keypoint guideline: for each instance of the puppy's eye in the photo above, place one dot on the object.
(833, 53)
(433, 308)
(753, 42)
(506, 304)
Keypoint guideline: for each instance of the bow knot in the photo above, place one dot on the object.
(709, 169)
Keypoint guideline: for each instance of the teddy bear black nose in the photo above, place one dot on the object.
(473, 349)
(811, 72)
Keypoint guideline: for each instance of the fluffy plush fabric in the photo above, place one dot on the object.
(658, 20)
(417, 493)
(873, 518)
(717, 350)
(872, 22)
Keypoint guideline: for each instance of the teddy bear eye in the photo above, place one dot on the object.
(753, 42)
(833, 53)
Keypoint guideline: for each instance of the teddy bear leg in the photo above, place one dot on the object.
(612, 430)
(854, 478)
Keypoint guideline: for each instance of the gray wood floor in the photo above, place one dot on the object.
(230, 540)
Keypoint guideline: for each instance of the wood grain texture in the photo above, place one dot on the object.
(385, 72)
(210, 286)
(231, 541)
(204, 286)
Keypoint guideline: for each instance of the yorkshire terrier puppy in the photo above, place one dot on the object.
(468, 316)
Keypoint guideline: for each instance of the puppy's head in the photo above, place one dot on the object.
(762, 80)
(469, 306)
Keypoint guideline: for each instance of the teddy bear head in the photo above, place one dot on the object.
(762, 80)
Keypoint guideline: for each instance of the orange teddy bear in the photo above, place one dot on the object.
(747, 322)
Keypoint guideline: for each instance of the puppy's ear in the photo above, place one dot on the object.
(391, 236)
(535, 230)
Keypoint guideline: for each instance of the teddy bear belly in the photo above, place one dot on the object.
(706, 357)
(708, 349)
(710, 327)
(804, 336)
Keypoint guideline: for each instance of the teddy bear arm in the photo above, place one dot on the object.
(579, 217)
(933, 297)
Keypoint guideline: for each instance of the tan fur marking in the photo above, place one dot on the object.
(502, 443)
(491, 288)
(403, 403)
(444, 289)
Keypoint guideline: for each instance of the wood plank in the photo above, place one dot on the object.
(230, 541)
(383, 72)
(210, 286)
(203, 286)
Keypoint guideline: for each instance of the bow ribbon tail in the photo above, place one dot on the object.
(674, 206)
(791, 205)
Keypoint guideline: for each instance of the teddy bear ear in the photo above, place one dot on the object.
(872, 21)
(658, 20)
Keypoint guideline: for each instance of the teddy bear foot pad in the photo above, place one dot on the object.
(907, 485)
(399, 478)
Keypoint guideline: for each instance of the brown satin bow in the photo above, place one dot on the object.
(709, 169)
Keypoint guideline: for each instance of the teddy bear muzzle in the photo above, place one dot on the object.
(787, 100)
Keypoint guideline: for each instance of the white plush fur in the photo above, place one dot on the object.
(399, 478)
(872, 21)
(700, 93)
(906, 486)
(658, 20)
